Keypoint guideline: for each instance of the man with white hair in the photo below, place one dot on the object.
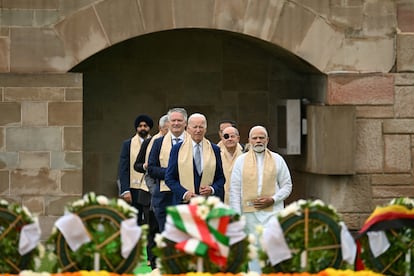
(260, 182)
(195, 166)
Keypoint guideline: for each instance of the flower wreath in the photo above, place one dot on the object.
(310, 236)
(387, 238)
(102, 247)
(19, 236)
(204, 235)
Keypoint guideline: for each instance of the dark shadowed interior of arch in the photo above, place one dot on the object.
(220, 74)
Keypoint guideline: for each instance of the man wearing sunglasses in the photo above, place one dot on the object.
(230, 150)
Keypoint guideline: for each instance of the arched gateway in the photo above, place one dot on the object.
(79, 71)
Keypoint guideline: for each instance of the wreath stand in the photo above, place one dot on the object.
(104, 256)
(12, 224)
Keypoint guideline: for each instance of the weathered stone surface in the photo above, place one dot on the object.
(261, 19)
(405, 15)
(363, 111)
(46, 52)
(320, 44)
(65, 113)
(369, 156)
(120, 20)
(34, 139)
(34, 160)
(404, 101)
(361, 55)
(73, 94)
(397, 155)
(398, 126)
(354, 221)
(55, 205)
(230, 15)
(72, 138)
(34, 114)
(46, 225)
(17, 17)
(388, 179)
(379, 18)
(405, 52)
(82, 34)
(41, 80)
(34, 182)
(2, 129)
(349, 14)
(196, 13)
(35, 204)
(4, 183)
(393, 191)
(8, 160)
(66, 160)
(28, 4)
(290, 33)
(71, 182)
(360, 89)
(404, 79)
(156, 14)
(4, 54)
(33, 93)
(10, 113)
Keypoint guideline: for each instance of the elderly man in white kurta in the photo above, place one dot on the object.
(260, 182)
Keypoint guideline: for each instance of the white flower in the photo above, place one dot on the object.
(102, 200)
(213, 201)
(86, 198)
(159, 240)
(301, 202)
(122, 204)
(332, 208)
(293, 208)
(251, 238)
(252, 252)
(26, 211)
(4, 202)
(198, 200)
(202, 212)
(78, 203)
(318, 202)
(259, 229)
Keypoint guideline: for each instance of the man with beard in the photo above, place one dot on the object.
(260, 182)
(130, 180)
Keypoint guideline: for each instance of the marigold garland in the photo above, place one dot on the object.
(326, 272)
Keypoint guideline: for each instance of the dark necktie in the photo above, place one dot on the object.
(197, 158)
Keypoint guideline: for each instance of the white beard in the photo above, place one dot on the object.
(259, 148)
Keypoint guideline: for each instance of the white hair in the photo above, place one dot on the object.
(258, 128)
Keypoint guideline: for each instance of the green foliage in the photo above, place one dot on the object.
(12, 219)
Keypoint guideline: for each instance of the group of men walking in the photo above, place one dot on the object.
(179, 163)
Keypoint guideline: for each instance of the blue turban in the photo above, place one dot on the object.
(143, 118)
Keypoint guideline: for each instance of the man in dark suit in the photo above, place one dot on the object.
(141, 165)
(158, 162)
(195, 166)
(131, 181)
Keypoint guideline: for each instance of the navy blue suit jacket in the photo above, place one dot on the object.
(159, 199)
(172, 177)
(124, 166)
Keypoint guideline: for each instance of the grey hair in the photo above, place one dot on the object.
(180, 110)
(258, 127)
(198, 115)
(163, 120)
